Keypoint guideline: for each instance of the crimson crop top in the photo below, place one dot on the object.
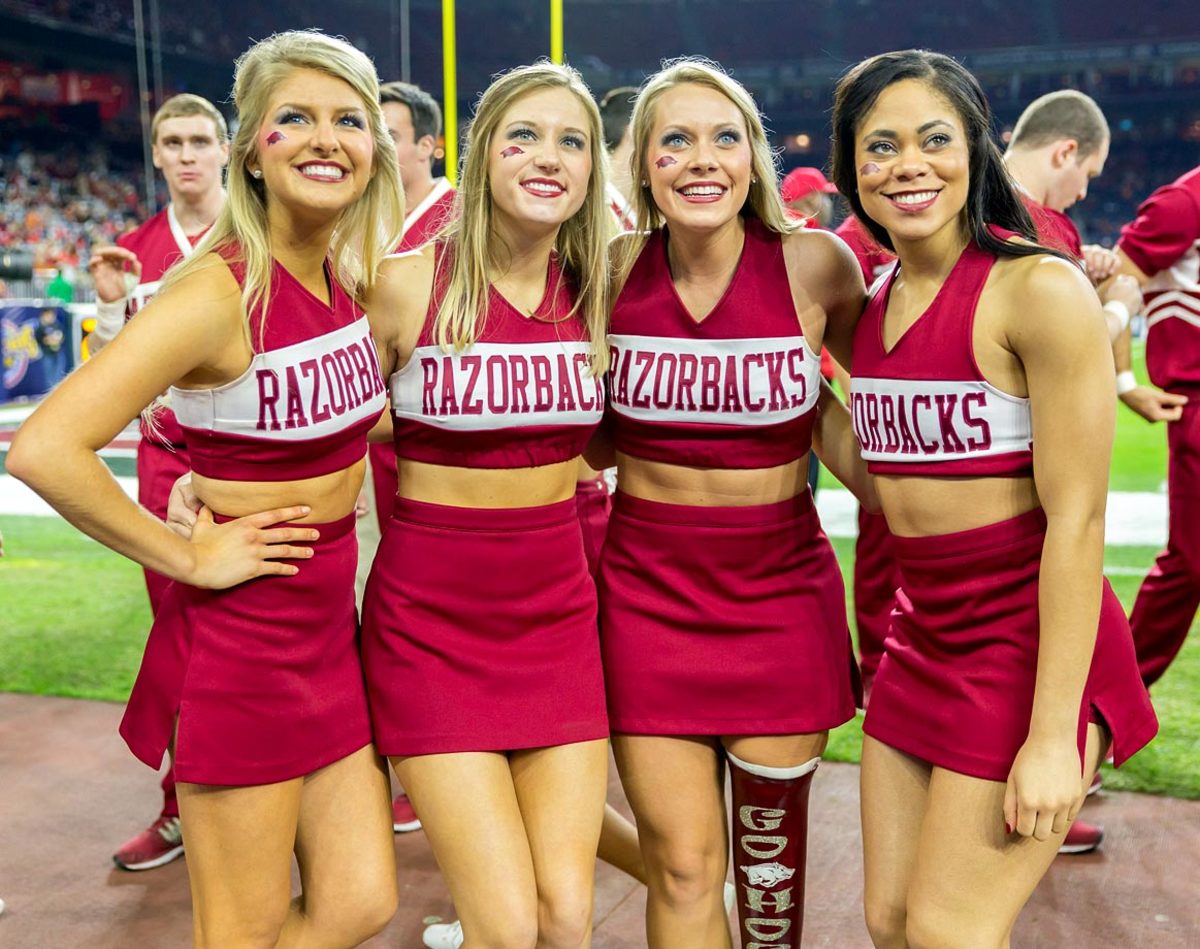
(924, 407)
(736, 390)
(522, 395)
(305, 403)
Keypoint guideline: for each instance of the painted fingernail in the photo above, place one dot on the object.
(1008, 827)
(511, 151)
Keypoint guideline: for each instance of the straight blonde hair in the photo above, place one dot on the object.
(462, 282)
(365, 232)
(763, 200)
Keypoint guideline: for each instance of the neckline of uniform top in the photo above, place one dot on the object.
(728, 292)
(886, 292)
(549, 295)
(331, 284)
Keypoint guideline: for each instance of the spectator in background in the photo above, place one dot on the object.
(51, 339)
(615, 110)
(808, 194)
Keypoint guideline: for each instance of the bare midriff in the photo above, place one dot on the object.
(710, 487)
(487, 487)
(331, 496)
(923, 507)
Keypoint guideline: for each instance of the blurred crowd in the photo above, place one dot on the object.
(56, 202)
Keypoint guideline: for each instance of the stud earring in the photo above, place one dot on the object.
(257, 173)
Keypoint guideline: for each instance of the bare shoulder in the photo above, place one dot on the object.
(1040, 293)
(208, 293)
(820, 264)
(818, 254)
(405, 282)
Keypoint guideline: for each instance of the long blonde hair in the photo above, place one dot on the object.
(763, 199)
(582, 242)
(365, 232)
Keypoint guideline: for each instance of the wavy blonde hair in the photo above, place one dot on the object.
(365, 232)
(763, 199)
(462, 282)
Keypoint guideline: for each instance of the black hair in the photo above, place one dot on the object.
(615, 110)
(426, 115)
(992, 197)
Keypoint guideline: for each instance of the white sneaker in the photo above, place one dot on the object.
(730, 897)
(443, 936)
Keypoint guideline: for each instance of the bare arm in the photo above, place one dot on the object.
(192, 332)
(837, 446)
(1068, 369)
(828, 290)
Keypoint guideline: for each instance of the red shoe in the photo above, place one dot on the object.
(404, 818)
(158, 844)
(1082, 837)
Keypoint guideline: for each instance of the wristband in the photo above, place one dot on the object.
(1119, 310)
(110, 317)
(1126, 382)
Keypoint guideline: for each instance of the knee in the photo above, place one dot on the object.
(886, 922)
(354, 916)
(565, 919)
(249, 932)
(509, 933)
(931, 927)
(686, 874)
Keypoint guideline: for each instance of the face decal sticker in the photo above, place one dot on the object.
(870, 168)
(511, 151)
(665, 162)
(276, 137)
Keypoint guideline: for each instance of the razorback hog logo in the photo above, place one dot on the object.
(314, 390)
(767, 874)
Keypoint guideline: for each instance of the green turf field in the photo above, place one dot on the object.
(74, 616)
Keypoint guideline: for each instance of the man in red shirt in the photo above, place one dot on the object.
(1160, 249)
(190, 148)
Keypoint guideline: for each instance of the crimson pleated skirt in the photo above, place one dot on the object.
(264, 678)
(479, 631)
(723, 620)
(956, 682)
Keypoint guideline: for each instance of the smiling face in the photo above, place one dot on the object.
(698, 157)
(913, 162)
(190, 153)
(539, 159)
(314, 147)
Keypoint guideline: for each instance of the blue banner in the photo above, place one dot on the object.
(36, 343)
